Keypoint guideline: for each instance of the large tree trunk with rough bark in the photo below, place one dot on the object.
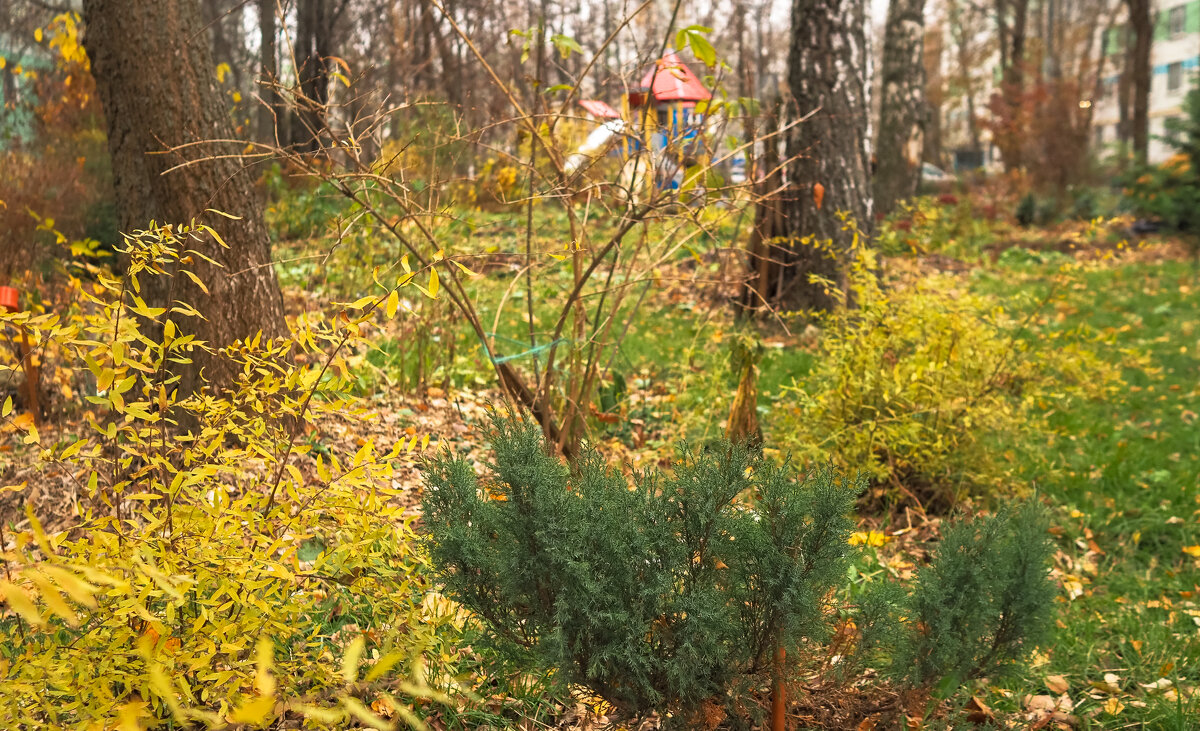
(828, 165)
(156, 81)
(902, 110)
(1141, 23)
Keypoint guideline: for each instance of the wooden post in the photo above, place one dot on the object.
(779, 693)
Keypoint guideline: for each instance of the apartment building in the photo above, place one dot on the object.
(19, 61)
(1174, 57)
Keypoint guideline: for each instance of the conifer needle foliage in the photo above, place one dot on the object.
(657, 595)
(666, 589)
(984, 600)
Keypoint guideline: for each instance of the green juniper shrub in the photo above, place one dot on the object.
(984, 601)
(1170, 192)
(1027, 210)
(665, 590)
(1048, 211)
(657, 596)
(1085, 206)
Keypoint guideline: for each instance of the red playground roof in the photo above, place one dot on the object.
(673, 81)
(597, 108)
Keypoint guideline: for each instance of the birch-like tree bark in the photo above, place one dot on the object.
(828, 160)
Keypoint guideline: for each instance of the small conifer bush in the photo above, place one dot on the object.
(667, 589)
(983, 601)
(656, 595)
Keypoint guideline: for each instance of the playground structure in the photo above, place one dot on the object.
(658, 127)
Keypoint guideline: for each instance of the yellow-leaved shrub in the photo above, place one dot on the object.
(221, 573)
(925, 384)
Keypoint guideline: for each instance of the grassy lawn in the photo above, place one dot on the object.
(1122, 472)
(1125, 474)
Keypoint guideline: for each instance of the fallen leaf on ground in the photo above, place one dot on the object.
(1057, 684)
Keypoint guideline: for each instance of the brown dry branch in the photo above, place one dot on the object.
(620, 233)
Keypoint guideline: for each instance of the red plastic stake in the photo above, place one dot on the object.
(10, 301)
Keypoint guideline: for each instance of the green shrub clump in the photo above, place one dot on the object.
(983, 600)
(664, 591)
(655, 596)
(1170, 192)
(1027, 210)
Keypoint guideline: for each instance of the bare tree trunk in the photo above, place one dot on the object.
(154, 74)
(762, 285)
(1142, 25)
(902, 110)
(271, 109)
(935, 93)
(964, 32)
(828, 165)
(316, 23)
(1124, 92)
(1013, 86)
(223, 20)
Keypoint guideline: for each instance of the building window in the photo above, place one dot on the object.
(1176, 18)
(1174, 76)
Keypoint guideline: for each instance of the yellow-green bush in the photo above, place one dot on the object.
(936, 225)
(224, 575)
(923, 385)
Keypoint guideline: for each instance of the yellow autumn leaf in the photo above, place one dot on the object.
(364, 715)
(230, 216)
(393, 303)
(1193, 551)
(873, 538)
(75, 587)
(20, 603)
(55, 601)
(37, 35)
(129, 715)
(464, 268)
(1113, 707)
(351, 659)
(253, 712)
